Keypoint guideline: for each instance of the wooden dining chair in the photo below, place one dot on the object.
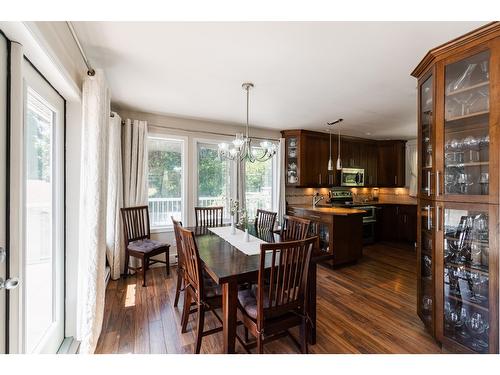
(265, 220)
(279, 300)
(209, 216)
(199, 287)
(294, 228)
(180, 257)
(138, 242)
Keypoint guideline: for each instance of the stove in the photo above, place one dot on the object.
(340, 198)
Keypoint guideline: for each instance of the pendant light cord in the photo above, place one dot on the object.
(248, 100)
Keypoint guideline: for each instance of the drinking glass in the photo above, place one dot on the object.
(478, 326)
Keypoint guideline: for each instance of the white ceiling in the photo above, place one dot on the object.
(305, 73)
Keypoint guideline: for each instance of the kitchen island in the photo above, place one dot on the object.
(339, 230)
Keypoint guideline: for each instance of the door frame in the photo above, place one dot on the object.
(15, 321)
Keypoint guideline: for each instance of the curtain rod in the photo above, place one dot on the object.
(200, 131)
(90, 71)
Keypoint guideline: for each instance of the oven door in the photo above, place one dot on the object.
(352, 177)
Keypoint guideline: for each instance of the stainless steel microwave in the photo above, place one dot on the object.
(352, 177)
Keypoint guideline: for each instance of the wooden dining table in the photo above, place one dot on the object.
(230, 267)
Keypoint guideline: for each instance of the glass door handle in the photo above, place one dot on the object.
(438, 218)
(437, 184)
(429, 175)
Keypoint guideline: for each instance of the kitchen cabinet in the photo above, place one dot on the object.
(391, 163)
(339, 231)
(307, 155)
(458, 196)
(306, 159)
(397, 223)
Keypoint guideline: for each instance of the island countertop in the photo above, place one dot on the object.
(335, 211)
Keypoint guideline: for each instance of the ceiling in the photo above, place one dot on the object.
(305, 73)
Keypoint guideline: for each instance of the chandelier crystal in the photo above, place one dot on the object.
(241, 147)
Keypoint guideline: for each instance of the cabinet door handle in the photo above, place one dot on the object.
(395, 180)
(438, 219)
(437, 184)
(428, 209)
(319, 178)
(428, 183)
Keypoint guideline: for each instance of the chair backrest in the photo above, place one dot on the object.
(178, 241)
(294, 228)
(135, 223)
(265, 220)
(192, 262)
(209, 216)
(283, 276)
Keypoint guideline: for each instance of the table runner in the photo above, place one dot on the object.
(252, 247)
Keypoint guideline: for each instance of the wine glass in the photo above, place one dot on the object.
(477, 325)
(460, 324)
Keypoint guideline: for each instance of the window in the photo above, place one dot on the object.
(165, 181)
(259, 185)
(215, 178)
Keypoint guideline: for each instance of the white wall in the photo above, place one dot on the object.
(192, 130)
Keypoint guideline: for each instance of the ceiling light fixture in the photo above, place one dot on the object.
(241, 147)
(339, 160)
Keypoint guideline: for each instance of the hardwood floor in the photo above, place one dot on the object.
(369, 307)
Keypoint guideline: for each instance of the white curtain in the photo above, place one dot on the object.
(135, 163)
(412, 167)
(135, 167)
(280, 181)
(115, 251)
(93, 206)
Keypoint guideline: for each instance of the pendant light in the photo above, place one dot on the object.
(330, 162)
(339, 160)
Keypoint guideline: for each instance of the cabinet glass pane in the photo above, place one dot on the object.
(426, 101)
(466, 135)
(292, 144)
(426, 260)
(466, 277)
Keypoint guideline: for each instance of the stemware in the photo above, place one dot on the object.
(478, 326)
(463, 100)
(476, 285)
(483, 65)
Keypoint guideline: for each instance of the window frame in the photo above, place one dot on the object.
(195, 171)
(184, 177)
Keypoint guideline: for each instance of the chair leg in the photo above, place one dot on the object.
(260, 344)
(185, 310)
(127, 258)
(167, 261)
(304, 333)
(180, 277)
(201, 323)
(144, 269)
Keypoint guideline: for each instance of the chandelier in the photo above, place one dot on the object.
(241, 147)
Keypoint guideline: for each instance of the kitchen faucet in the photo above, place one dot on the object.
(317, 198)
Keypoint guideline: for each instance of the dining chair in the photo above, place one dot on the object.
(279, 300)
(180, 257)
(294, 228)
(209, 216)
(138, 242)
(199, 287)
(265, 220)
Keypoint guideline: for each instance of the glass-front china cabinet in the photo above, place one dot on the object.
(459, 153)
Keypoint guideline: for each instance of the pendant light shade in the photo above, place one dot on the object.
(330, 162)
(339, 160)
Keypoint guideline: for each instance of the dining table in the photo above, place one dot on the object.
(230, 267)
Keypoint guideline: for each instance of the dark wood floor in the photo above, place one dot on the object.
(369, 307)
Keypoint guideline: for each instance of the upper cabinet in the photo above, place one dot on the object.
(307, 154)
(391, 164)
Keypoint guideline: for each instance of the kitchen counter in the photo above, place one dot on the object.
(326, 205)
(327, 209)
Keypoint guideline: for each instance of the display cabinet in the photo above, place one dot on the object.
(458, 163)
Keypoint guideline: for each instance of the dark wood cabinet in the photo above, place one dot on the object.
(397, 223)
(307, 155)
(458, 197)
(391, 163)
